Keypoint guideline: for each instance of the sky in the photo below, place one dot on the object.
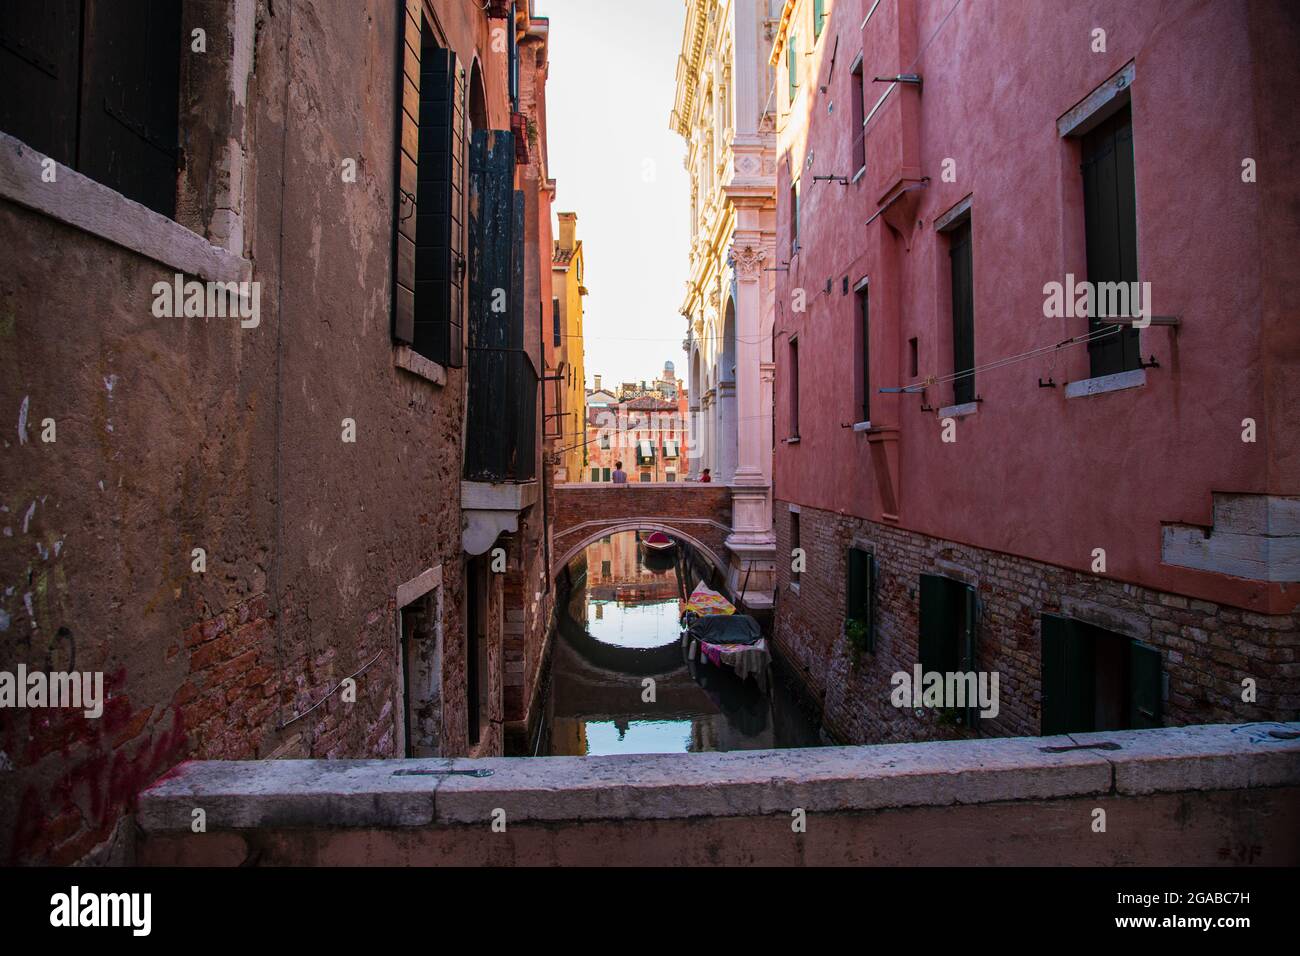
(619, 167)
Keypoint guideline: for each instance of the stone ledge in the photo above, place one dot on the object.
(367, 793)
(83, 203)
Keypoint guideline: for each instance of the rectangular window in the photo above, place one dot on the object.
(645, 476)
(864, 352)
(671, 476)
(556, 337)
(948, 635)
(1110, 219)
(857, 118)
(794, 388)
(1094, 679)
(595, 474)
(819, 18)
(794, 218)
(792, 64)
(794, 546)
(605, 474)
(428, 278)
(604, 569)
(96, 86)
(914, 362)
(963, 314)
(860, 593)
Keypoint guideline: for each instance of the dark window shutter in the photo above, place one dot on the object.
(434, 268)
(1067, 678)
(870, 587)
(130, 99)
(940, 623)
(853, 591)
(1146, 686)
(408, 152)
(40, 52)
(865, 318)
(1110, 217)
(963, 314)
(502, 402)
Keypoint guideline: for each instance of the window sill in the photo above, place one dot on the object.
(794, 586)
(791, 441)
(959, 411)
(862, 171)
(92, 207)
(1106, 383)
(404, 357)
(862, 426)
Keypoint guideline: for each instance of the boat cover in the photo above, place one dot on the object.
(726, 629)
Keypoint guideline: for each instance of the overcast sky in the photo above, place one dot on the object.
(619, 167)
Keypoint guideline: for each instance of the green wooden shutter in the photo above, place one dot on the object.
(792, 61)
(1146, 686)
(969, 637)
(819, 17)
(853, 586)
(1067, 678)
(870, 588)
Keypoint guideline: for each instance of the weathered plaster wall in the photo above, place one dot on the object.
(183, 433)
(1033, 473)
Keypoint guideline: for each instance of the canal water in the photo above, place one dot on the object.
(619, 607)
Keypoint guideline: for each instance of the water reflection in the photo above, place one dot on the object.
(618, 626)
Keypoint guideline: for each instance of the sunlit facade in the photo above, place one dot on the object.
(724, 112)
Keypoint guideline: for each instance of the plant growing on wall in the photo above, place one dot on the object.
(855, 631)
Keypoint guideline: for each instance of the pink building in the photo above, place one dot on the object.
(1111, 526)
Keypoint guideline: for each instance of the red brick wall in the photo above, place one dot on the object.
(1206, 649)
(702, 511)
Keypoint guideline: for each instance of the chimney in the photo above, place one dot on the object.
(596, 379)
(568, 229)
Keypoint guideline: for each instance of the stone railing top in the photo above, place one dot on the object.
(370, 793)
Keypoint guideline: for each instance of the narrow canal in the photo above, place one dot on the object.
(619, 679)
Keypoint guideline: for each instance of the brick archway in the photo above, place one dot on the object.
(699, 514)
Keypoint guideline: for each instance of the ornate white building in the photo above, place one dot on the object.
(725, 112)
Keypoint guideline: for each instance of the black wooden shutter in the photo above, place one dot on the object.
(866, 356)
(1110, 216)
(40, 53)
(408, 152)
(938, 644)
(433, 259)
(130, 99)
(1067, 678)
(963, 314)
(1146, 686)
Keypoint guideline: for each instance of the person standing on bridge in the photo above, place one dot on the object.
(705, 476)
(620, 476)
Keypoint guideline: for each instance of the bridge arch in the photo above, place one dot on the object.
(698, 514)
(640, 524)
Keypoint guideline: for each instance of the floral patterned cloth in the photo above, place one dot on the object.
(704, 601)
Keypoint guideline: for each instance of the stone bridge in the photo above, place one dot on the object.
(699, 514)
